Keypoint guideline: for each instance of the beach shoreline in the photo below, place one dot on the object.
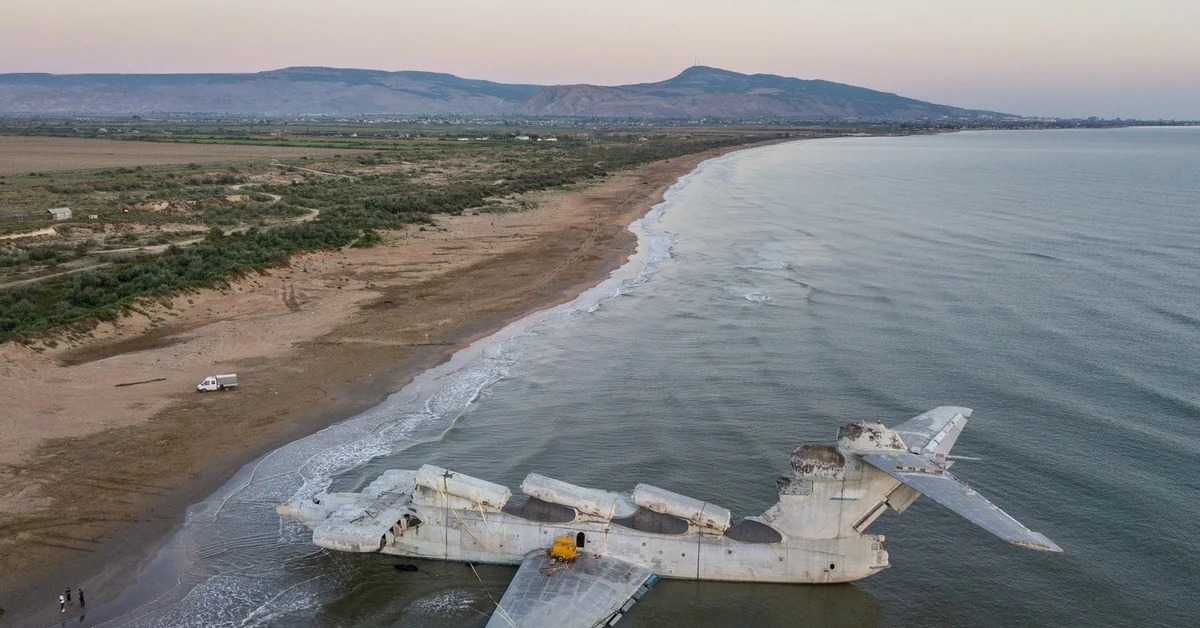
(334, 332)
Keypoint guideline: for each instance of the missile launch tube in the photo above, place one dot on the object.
(703, 514)
(589, 501)
(479, 491)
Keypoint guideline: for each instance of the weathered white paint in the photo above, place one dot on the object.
(825, 505)
(589, 501)
(474, 490)
(698, 512)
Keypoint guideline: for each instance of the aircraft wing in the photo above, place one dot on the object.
(937, 484)
(934, 431)
(585, 593)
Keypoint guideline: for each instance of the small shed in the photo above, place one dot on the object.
(61, 213)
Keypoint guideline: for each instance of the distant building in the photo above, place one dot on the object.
(61, 213)
(523, 138)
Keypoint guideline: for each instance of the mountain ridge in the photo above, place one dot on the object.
(696, 92)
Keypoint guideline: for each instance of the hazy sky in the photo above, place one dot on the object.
(1050, 57)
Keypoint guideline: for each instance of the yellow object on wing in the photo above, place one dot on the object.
(563, 548)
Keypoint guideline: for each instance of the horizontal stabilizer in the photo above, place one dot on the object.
(937, 484)
(934, 432)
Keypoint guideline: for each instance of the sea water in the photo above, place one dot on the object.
(1047, 279)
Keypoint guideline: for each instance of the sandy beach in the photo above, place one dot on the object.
(94, 476)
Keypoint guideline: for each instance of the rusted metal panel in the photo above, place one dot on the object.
(818, 461)
(868, 435)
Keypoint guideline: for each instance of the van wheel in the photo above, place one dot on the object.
(221, 388)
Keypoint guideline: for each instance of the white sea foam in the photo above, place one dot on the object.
(445, 603)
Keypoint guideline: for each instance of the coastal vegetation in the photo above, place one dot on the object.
(151, 231)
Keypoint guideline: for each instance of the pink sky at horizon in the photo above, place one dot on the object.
(1066, 58)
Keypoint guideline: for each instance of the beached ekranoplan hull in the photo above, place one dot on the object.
(815, 533)
(467, 533)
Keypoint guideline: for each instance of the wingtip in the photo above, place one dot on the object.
(1041, 543)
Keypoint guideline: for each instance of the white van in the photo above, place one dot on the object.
(217, 382)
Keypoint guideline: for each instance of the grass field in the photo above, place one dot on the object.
(23, 155)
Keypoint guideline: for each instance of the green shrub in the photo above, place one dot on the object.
(369, 239)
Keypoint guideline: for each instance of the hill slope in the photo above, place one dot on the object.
(698, 92)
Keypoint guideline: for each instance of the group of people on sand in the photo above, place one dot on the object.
(65, 599)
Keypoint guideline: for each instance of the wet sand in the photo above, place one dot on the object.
(94, 476)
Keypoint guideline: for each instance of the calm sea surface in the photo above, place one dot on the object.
(1050, 280)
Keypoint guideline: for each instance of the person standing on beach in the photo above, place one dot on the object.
(81, 602)
(62, 604)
